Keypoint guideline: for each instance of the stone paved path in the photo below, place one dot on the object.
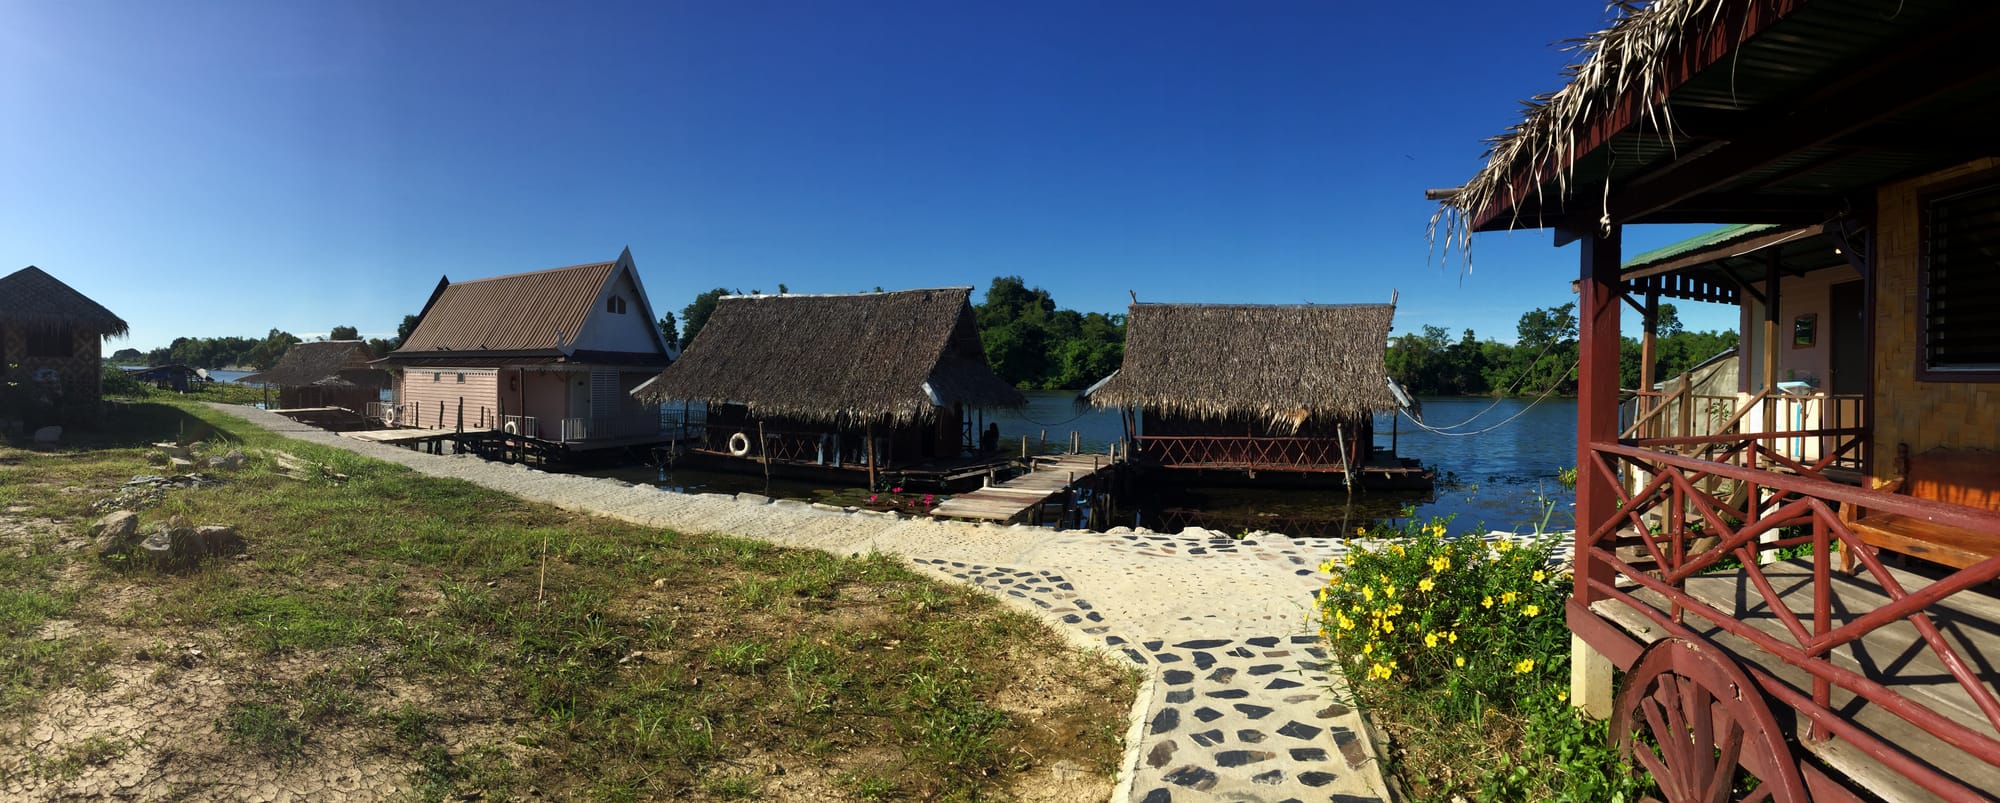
(1240, 702)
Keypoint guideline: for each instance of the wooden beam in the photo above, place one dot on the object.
(1957, 57)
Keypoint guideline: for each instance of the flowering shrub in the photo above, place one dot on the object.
(1480, 622)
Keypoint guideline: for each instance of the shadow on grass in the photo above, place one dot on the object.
(138, 423)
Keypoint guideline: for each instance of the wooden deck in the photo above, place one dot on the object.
(1894, 655)
(1013, 500)
(399, 436)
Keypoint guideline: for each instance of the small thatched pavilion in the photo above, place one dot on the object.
(325, 373)
(54, 335)
(1252, 387)
(839, 382)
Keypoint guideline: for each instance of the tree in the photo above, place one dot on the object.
(696, 314)
(404, 329)
(379, 346)
(344, 333)
(265, 354)
(669, 331)
(128, 356)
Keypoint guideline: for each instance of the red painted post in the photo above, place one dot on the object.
(1596, 396)
(1596, 422)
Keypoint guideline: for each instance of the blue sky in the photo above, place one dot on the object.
(219, 168)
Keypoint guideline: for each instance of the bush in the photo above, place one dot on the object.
(1480, 622)
(1462, 642)
(118, 382)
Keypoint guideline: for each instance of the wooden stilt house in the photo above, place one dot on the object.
(1247, 391)
(547, 357)
(1785, 636)
(838, 387)
(325, 373)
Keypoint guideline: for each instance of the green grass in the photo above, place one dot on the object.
(652, 664)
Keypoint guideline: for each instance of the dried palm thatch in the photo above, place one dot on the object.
(1627, 60)
(838, 359)
(322, 363)
(1282, 364)
(31, 298)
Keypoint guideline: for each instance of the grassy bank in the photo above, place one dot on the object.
(454, 641)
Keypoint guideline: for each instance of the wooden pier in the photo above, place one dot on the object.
(1022, 498)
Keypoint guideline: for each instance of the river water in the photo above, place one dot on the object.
(1496, 463)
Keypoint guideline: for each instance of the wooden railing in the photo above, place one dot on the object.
(1658, 415)
(1658, 525)
(1288, 454)
(583, 428)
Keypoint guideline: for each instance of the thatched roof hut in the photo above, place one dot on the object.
(325, 364)
(838, 359)
(1282, 364)
(32, 299)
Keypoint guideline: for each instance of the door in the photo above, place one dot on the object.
(577, 426)
(1848, 361)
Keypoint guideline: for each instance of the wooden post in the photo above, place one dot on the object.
(871, 456)
(764, 452)
(1597, 422)
(461, 414)
(1647, 352)
(1024, 447)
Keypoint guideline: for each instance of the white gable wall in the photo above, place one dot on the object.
(631, 331)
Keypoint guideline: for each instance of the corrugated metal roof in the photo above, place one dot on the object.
(1707, 239)
(542, 310)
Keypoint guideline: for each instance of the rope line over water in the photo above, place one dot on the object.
(1510, 419)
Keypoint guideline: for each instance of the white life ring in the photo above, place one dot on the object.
(511, 428)
(739, 444)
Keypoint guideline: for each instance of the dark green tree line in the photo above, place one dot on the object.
(1543, 356)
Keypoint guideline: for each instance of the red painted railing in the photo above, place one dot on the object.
(1288, 454)
(1691, 498)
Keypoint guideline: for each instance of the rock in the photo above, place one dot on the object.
(228, 462)
(116, 533)
(177, 548)
(146, 479)
(49, 434)
(156, 458)
(171, 449)
(219, 540)
(180, 463)
(753, 499)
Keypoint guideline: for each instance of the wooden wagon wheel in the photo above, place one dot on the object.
(1692, 718)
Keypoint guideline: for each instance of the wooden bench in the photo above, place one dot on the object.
(1964, 477)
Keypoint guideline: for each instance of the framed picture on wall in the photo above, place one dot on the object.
(1805, 329)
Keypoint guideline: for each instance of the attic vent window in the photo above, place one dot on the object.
(615, 304)
(1961, 285)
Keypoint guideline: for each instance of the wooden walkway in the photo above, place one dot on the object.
(1011, 501)
(399, 436)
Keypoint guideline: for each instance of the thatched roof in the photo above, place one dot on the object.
(1623, 71)
(1277, 363)
(322, 363)
(838, 358)
(31, 297)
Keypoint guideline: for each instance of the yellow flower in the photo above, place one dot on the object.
(1388, 626)
(1531, 610)
(1459, 661)
(1487, 602)
(1508, 598)
(1396, 548)
(1541, 575)
(1440, 564)
(1379, 672)
(1562, 695)
(1360, 531)
(1503, 545)
(1431, 640)
(1368, 593)
(1425, 585)
(1389, 592)
(1454, 638)
(1524, 666)
(1368, 649)
(1344, 622)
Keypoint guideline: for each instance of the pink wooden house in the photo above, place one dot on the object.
(551, 356)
